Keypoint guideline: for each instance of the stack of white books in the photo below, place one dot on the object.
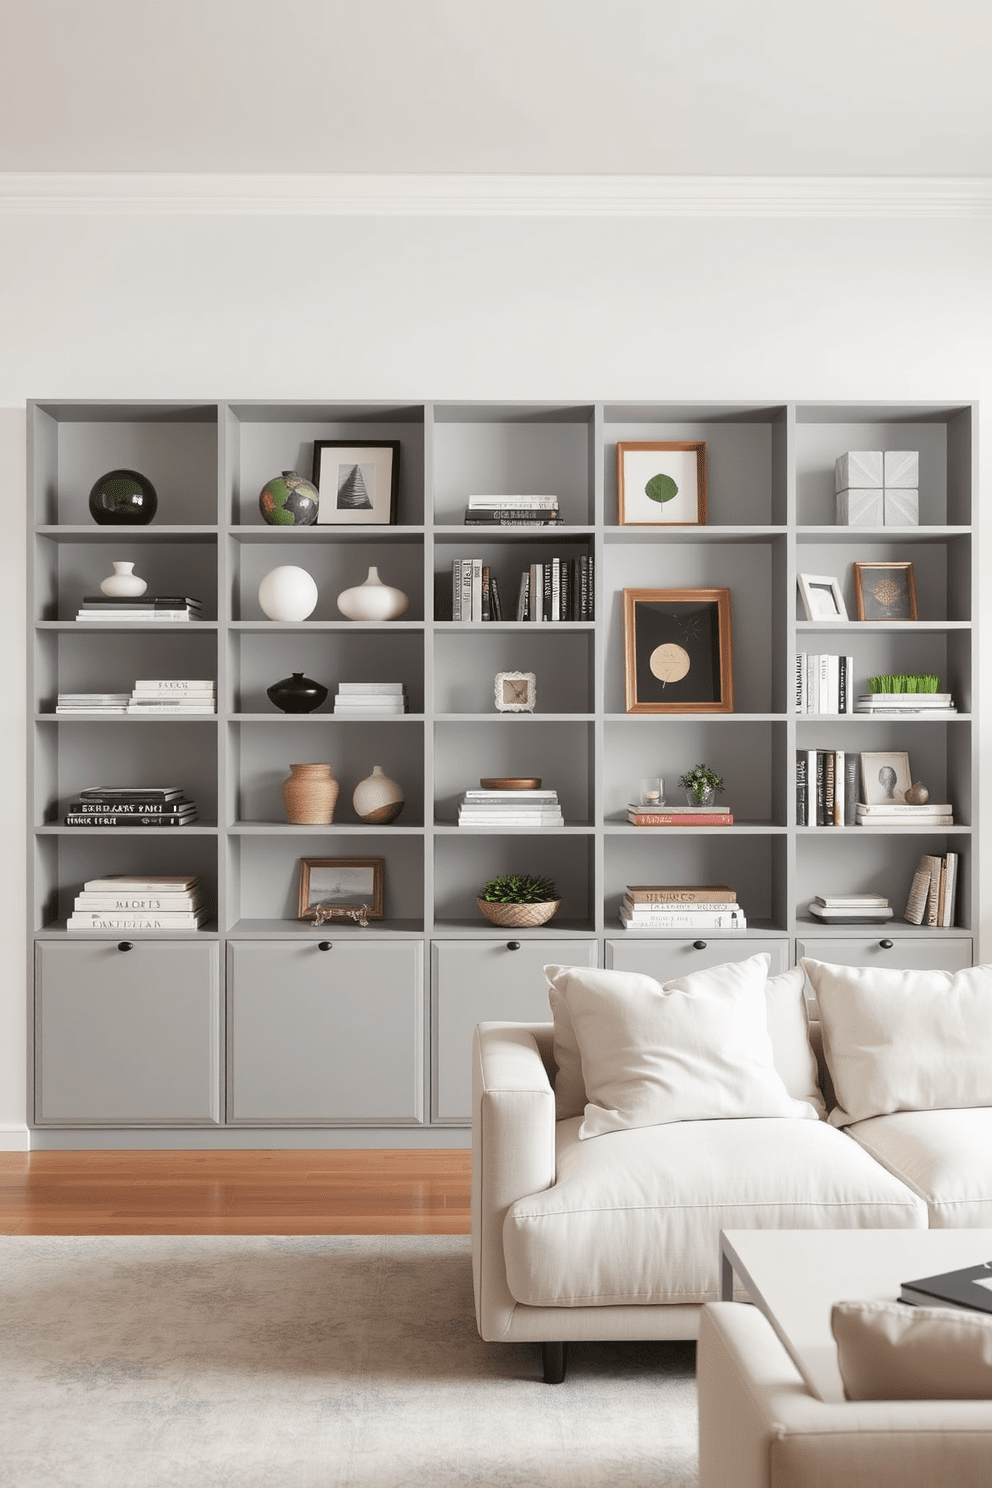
(143, 607)
(512, 511)
(510, 808)
(87, 703)
(378, 698)
(850, 909)
(896, 814)
(137, 902)
(151, 697)
(681, 907)
(928, 704)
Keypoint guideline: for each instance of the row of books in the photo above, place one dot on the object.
(681, 907)
(510, 808)
(131, 806)
(149, 696)
(136, 902)
(640, 815)
(512, 511)
(824, 683)
(379, 698)
(140, 608)
(933, 893)
(828, 794)
(560, 589)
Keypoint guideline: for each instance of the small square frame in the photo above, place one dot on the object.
(509, 696)
(346, 883)
(875, 791)
(685, 634)
(661, 483)
(885, 591)
(365, 476)
(821, 596)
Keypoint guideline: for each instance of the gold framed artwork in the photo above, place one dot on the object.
(678, 651)
(661, 483)
(885, 591)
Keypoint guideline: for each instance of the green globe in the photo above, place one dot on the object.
(288, 500)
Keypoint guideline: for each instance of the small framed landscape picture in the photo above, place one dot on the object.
(821, 596)
(358, 483)
(661, 484)
(885, 778)
(885, 591)
(678, 651)
(341, 883)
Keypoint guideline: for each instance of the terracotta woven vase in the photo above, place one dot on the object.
(310, 794)
(519, 916)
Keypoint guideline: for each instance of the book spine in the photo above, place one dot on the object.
(583, 587)
(688, 922)
(642, 911)
(838, 819)
(823, 685)
(487, 613)
(466, 590)
(829, 781)
(680, 895)
(494, 600)
(536, 593)
(852, 775)
(130, 808)
(821, 818)
(933, 898)
(456, 589)
(90, 819)
(802, 789)
(132, 922)
(141, 904)
(496, 514)
(800, 683)
(373, 689)
(951, 888)
(548, 600)
(167, 685)
(497, 502)
(556, 589)
(591, 568)
(680, 819)
(842, 697)
(523, 596)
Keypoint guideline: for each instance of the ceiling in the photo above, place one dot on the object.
(654, 87)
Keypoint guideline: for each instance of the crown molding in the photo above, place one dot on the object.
(175, 194)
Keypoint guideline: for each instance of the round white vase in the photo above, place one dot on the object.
(377, 798)
(287, 593)
(123, 583)
(372, 600)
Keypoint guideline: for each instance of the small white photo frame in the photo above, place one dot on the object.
(822, 599)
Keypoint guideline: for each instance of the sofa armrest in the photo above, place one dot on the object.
(513, 1151)
(759, 1427)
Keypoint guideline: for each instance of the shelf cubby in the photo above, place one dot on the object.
(513, 449)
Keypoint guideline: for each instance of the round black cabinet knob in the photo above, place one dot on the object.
(513, 945)
(699, 945)
(326, 945)
(125, 945)
(886, 945)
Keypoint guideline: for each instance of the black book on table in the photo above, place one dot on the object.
(969, 1289)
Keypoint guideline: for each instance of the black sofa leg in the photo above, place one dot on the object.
(554, 1356)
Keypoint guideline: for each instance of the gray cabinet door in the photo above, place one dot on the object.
(666, 959)
(325, 1037)
(127, 1038)
(923, 954)
(485, 981)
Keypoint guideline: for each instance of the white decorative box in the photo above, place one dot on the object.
(902, 508)
(902, 468)
(859, 470)
(860, 508)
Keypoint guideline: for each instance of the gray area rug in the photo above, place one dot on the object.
(271, 1362)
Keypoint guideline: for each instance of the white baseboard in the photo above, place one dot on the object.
(15, 1139)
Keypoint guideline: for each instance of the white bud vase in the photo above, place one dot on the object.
(372, 600)
(123, 583)
(377, 798)
(287, 593)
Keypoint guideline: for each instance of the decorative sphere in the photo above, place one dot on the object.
(288, 500)
(917, 794)
(123, 498)
(287, 593)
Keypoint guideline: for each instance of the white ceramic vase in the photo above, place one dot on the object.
(123, 583)
(287, 593)
(372, 600)
(377, 798)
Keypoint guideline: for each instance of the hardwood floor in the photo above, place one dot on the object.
(380, 1192)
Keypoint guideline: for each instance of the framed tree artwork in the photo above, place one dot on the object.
(678, 654)
(358, 483)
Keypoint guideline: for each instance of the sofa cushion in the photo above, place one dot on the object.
(944, 1156)
(694, 1049)
(785, 1006)
(887, 1351)
(904, 1040)
(635, 1216)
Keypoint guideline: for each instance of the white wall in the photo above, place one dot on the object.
(324, 307)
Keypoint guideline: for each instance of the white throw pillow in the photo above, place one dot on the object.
(694, 1049)
(785, 1005)
(904, 1040)
(888, 1351)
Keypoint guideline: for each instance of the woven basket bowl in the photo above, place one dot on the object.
(519, 916)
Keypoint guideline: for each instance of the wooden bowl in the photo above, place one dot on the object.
(510, 782)
(519, 916)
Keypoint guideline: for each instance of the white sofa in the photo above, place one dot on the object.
(617, 1237)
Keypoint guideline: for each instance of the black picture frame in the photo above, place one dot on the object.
(678, 655)
(358, 482)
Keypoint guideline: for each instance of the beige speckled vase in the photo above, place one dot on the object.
(310, 794)
(377, 798)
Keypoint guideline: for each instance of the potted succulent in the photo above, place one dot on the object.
(518, 899)
(702, 785)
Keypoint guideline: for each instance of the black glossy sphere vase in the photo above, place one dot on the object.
(123, 498)
(296, 694)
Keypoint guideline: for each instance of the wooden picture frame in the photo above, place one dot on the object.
(821, 596)
(661, 483)
(358, 484)
(885, 591)
(678, 651)
(341, 883)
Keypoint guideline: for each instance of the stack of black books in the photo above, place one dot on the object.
(137, 607)
(131, 806)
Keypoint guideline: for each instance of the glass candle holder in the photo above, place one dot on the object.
(652, 791)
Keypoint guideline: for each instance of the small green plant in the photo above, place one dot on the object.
(904, 682)
(519, 888)
(700, 780)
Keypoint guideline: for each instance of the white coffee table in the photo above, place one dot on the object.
(795, 1277)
